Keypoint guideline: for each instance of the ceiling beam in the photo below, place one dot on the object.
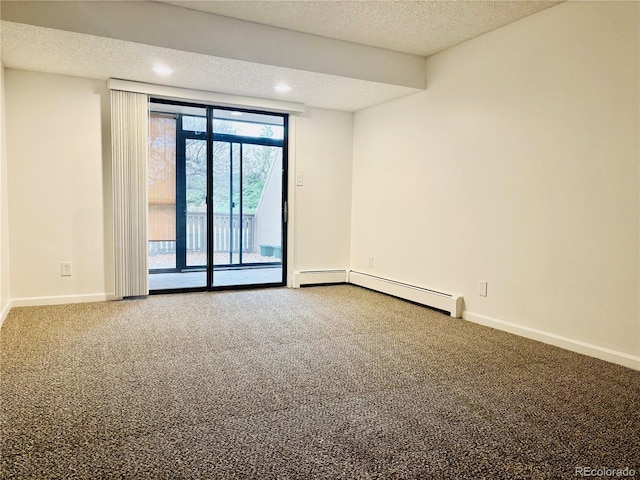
(178, 28)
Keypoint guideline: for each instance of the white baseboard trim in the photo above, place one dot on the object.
(318, 277)
(61, 299)
(443, 301)
(603, 353)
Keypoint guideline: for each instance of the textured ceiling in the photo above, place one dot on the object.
(42, 49)
(420, 27)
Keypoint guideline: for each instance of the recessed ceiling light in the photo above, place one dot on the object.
(236, 114)
(282, 87)
(162, 70)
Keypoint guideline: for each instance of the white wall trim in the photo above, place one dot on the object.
(207, 98)
(448, 302)
(62, 299)
(318, 277)
(603, 353)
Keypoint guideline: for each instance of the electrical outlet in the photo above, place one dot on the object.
(370, 262)
(65, 269)
(482, 291)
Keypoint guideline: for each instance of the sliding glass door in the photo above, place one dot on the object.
(216, 198)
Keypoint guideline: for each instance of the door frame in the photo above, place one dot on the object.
(209, 136)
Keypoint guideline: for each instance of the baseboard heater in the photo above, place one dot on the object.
(443, 301)
(318, 277)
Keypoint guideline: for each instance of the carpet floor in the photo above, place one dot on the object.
(332, 382)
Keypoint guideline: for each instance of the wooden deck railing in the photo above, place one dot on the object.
(226, 234)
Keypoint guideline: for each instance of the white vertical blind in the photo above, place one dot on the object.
(129, 146)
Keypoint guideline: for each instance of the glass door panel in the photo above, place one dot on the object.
(216, 197)
(196, 200)
(253, 252)
(235, 211)
(262, 212)
(177, 179)
(222, 234)
(161, 175)
(191, 183)
(262, 189)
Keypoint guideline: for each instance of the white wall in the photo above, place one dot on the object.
(60, 196)
(5, 292)
(5, 288)
(55, 130)
(519, 165)
(322, 206)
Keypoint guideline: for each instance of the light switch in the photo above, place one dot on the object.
(299, 180)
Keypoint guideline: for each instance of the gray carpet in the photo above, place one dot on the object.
(325, 382)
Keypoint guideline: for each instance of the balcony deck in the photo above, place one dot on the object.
(221, 278)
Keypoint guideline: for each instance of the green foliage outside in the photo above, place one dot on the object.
(256, 159)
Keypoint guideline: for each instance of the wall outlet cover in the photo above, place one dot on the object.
(65, 269)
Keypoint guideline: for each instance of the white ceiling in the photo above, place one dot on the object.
(34, 48)
(421, 27)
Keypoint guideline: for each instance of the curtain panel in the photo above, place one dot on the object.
(129, 147)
